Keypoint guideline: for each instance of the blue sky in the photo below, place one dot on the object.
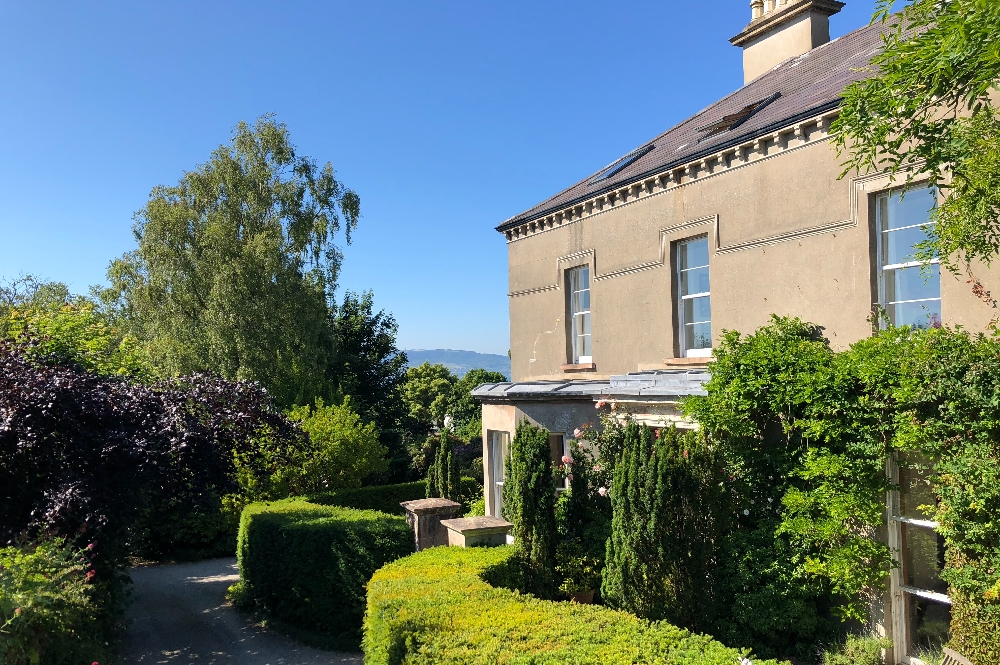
(447, 117)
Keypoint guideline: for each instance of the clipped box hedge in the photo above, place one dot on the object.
(386, 498)
(308, 565)
(436, 607)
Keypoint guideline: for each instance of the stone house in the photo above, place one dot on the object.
(621, 283)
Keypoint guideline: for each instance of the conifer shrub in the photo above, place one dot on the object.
(670, 511)
(437, 607)
(308, 565)
(529, 505)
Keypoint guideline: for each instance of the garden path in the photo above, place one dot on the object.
(180, 615)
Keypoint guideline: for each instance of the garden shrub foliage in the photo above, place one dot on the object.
(308, 565)
(48, 614)
(436, 607)
(806, 432)
(529, 504)
(670, 509)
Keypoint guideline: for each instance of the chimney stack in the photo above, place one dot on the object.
(783, 29)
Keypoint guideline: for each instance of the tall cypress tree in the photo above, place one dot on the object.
(529, 504)
(669, 513)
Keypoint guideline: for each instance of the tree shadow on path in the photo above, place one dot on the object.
(179, 614)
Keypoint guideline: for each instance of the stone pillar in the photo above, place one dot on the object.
(424, 517)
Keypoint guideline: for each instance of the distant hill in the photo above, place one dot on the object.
(460, 362)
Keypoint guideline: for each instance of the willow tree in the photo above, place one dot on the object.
(236, 266)
(929, 108)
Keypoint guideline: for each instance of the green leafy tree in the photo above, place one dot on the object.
(368, 365)
(343, 450)
(237, 264)
(427, 394)
(76, 333)
(29, 292)
(929, 106)
(466, 412)
(529, 504)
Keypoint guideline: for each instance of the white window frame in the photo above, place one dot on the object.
(585, 314)
(682, 328)
(899, 591)
(884, 270)
(499, 443)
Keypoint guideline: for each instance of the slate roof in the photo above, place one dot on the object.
(652, 384)
(808, 85)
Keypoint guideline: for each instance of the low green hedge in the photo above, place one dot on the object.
(436, 607)
(386, 498)
(308, 565)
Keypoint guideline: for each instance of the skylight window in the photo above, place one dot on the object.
(618, 166)
(734, 120)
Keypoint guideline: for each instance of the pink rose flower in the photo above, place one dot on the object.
(91, 574)
(600, 404)
(17, 611)
(570, 477)
(614, 405)
(567, 459)
(577, 433)
(686, 454)
(603, 491)
(597, 468)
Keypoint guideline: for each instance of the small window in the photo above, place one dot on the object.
(558, 450)
(694, 298)
(909, 290)
(499, 449)
(579, 292)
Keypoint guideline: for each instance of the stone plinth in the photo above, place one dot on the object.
(424, 517)
(477, 531)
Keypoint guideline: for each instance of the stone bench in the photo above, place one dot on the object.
(424, 517)
(477, 531)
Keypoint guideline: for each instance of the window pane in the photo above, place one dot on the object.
(921, 315)
(694, 254)
(698, 310)
(923, 558)
(586, 351)
(911, 284)
(578, 325)
(916, 492)
(695, 281)
(897, 246)
(698, 336)
(586, 324)
(584, 282)
(930, 624)
(913, 208)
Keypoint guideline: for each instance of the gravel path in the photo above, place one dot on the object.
(180, 615)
